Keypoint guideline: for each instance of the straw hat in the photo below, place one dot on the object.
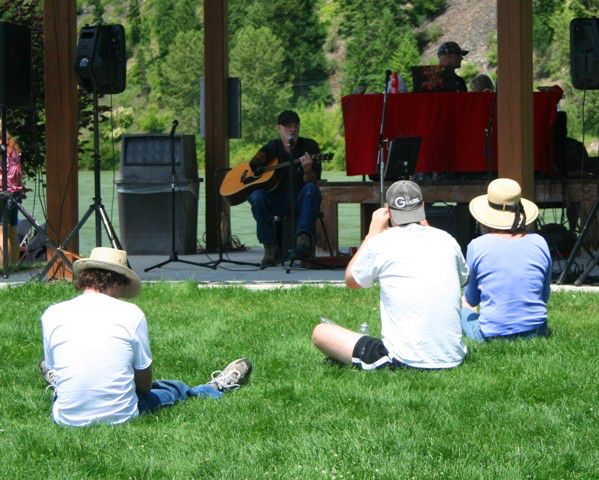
(112, 260)
(503, 207)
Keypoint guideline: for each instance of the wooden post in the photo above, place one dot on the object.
(60, 40)
(514, 93)
(216, 71)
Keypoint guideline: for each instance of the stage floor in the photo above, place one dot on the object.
(232, 274)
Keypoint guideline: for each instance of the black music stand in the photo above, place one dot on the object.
(174, 256)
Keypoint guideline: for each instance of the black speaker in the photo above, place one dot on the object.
(584, 53)
(15, 65)
(100, 59)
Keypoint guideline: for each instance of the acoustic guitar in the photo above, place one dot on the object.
(240, 181)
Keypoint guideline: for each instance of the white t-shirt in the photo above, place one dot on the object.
(420, 270)
(93, 342)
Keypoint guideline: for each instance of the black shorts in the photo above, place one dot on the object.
(370, 353)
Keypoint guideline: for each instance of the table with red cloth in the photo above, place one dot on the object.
(452, 127)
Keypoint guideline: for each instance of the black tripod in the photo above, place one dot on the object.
(581, 237)
(219, 205)
(97, 207)
(174, 257)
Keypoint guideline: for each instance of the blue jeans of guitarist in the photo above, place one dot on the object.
(266, 205)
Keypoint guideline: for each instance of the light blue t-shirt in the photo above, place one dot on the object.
(510, 279)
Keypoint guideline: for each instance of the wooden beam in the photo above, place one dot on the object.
(60, 40)
(216, 71)
(514, 93)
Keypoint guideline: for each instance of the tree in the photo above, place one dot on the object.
(296, 24)
(181, 70)
(406, 55)
(257, 57)
(380, 36)
(97, 12)
(135, 26)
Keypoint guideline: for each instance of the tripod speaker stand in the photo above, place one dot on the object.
(174, 256)
(579, 242)
(97, 206)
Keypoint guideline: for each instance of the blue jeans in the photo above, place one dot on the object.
(266, 205)
(165, 393)
(471, 328)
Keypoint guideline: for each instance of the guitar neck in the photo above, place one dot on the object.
(316, 157)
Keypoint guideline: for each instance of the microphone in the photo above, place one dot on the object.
(175, 124)
(291, 139)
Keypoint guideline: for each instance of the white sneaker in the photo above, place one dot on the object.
(49, 375)
(233, 376)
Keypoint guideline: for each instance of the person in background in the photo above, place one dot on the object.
(97, 353)
(510, 268)
(306, 198)
(450, 56)
(420, 270)
(14, 181)
(482, 83)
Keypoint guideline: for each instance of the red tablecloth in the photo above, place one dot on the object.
(452, 127)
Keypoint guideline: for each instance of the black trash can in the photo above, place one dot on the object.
(144, 194)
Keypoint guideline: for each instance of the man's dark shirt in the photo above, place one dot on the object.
(275, 149)
(453, 82)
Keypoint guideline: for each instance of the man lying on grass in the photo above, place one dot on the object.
(420, 270)
(97, 352)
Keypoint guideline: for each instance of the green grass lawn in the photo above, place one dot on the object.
(514, 410)
(242, 222)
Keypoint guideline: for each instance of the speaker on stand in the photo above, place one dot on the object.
(100, 68)
(584, 70)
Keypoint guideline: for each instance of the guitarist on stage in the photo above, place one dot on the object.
(277, 202)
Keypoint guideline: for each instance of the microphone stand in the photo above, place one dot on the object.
(489, 137)
(174, 257)
(381, 147)
(219, 234)
(292, 141)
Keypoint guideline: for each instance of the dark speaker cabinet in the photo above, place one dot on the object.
(15, 65)
(101, 59)
(584, 53)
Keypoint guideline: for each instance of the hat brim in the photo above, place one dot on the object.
(464, 52)
(401, 217)
(128, 291)
(500, 219)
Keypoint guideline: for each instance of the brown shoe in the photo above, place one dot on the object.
(272, 255)
(303, 246)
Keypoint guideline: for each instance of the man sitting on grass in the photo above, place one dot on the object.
(420, 270)
(97, 352)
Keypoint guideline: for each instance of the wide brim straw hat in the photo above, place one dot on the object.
(498, 208)
(113, 260)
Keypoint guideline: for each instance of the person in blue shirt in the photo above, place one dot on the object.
(510, 268)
